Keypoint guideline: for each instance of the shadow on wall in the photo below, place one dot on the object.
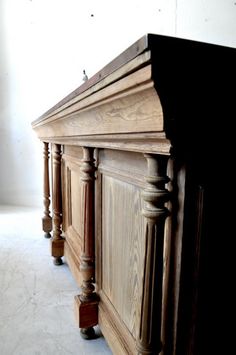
(20, 178)
(5, 103)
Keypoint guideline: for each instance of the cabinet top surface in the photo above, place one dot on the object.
(157, 45)
(177, 91)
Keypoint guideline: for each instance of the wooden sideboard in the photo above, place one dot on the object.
(138, 168)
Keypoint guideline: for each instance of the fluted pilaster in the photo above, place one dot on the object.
(155, 195)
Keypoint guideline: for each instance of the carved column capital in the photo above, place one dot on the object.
(155, 194)
(87, 167)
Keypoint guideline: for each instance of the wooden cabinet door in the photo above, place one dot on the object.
(120, 247)
(72, 208)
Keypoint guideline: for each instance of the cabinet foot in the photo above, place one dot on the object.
(57, 261)
(86, 314)
(87, 333)
(47, 235)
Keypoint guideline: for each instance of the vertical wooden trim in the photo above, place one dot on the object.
(174, 235)
(87, 303)
(191, 345)
(87, 256)
(64, 210)
(57, 241)
(69, 201)
(47, 219)
(98, 224)
(155, 195)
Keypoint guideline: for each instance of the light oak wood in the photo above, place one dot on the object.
(118, 337)
(123, 243)
(127, 68)
(144, 248)
(130, 105)
(145, 142)
(73, 260)
(47, 219)
(57, 243)
(72, 200)
(86, 304)
(172, 255)
(155, 195)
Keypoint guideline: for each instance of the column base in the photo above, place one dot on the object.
(57, 247)
(47, 226)
(47, 235)
(57, 261)
(86, 313)
(157, 349)
(88, 333)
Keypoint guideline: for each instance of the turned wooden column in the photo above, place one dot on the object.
(155, 195)
(57, 241)
(86, 304)
(47, 219)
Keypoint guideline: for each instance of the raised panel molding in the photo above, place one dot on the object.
(72, 211)
(123, 243)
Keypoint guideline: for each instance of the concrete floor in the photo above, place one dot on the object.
(36, 297)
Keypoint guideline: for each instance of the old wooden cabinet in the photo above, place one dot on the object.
(137, 163)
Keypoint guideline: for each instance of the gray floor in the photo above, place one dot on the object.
(36, 297)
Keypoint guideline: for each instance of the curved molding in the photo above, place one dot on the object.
(129, 105)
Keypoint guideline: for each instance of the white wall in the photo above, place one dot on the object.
(46, 44)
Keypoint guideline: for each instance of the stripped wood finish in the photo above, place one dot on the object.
(87, 302)
(147, 284)
(57, 242)
(130, 105)
(123, 245)
(120, 246)
(155, 195)
(47, 219)
(72, 207)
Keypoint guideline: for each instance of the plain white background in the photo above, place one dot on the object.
(46, 44)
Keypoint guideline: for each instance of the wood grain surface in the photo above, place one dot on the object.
(123, 249)
(129, 105)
